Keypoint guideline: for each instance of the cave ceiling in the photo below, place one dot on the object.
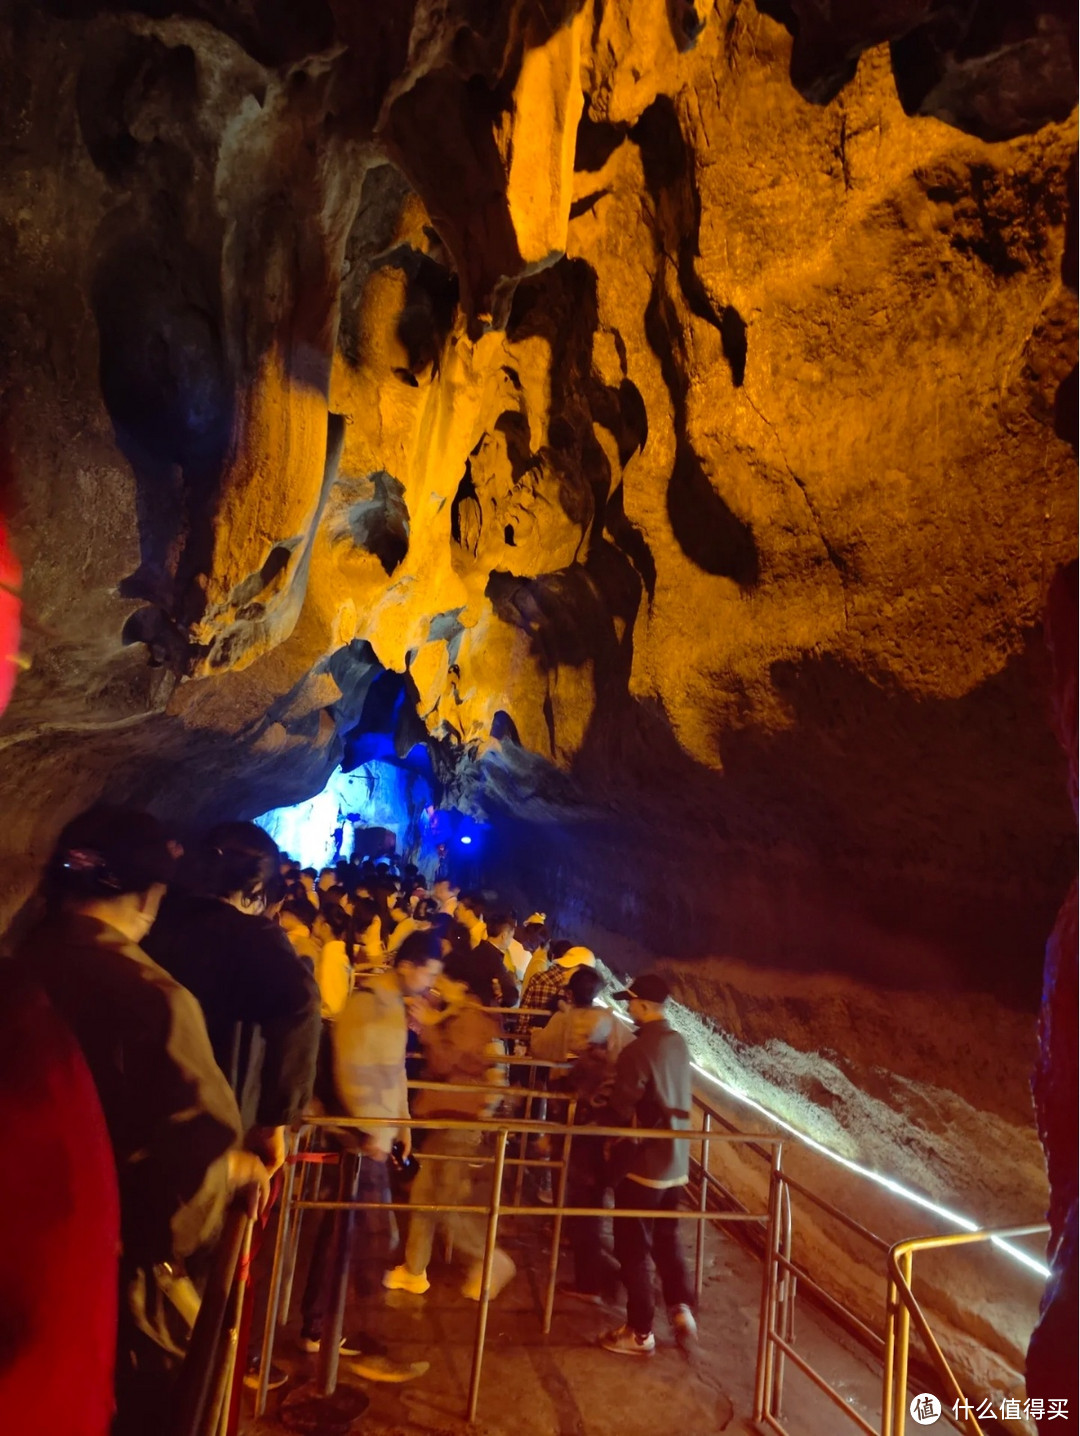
(677, 396)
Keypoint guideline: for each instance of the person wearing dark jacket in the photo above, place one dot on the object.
(260, 1002)
(172, 1120)
(651, 1091)
(486, 971)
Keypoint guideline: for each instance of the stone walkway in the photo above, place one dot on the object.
(564, 1384)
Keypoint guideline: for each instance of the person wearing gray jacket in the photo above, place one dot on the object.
(651, 1091)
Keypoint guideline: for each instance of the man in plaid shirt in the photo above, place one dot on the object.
(544, 989)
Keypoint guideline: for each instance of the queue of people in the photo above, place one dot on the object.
(218, 996)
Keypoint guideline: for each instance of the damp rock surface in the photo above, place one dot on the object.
(676, 398)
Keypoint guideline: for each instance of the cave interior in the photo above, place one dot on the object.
(644, 428)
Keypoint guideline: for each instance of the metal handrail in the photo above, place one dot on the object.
(775, 1341)
(495, 1210)
(902, 1307)
(206, 1375)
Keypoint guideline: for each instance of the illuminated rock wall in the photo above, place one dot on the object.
(676, 395)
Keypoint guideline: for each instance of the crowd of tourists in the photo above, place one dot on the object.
(193, 1007)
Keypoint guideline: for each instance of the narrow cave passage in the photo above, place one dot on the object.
(538, 580)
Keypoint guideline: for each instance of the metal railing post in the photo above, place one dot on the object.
(703, 1195)
(267, 1356)
(903, 1346)
(222, 1402)
(892, 1301)
(200, 1373)
(340, 1258)
(556, 1232)
(485, 1279)
(523, 1138)
(292, 1248)
(763, 1380)
(785, 1283)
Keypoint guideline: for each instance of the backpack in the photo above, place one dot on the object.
(591, 1079)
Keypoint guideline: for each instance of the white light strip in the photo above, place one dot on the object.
(964, 1223)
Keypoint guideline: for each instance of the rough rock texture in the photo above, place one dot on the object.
(696, 455)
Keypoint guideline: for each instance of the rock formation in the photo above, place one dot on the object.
(675, 396)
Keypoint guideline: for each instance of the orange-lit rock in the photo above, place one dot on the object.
(697, 451)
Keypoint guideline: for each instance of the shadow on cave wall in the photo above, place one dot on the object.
(570, 615)
(719, 864)
(992, 70)
(709, 532)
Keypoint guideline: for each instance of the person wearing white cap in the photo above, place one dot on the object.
(544, 989)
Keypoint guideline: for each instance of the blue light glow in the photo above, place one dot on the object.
(377, 794)
(465, 839)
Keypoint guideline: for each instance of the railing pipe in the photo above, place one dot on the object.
(199, 1374)
(762, 1383)
(341, 1251)
(557, 1223)
(276, 1273)
(485, 1279)
(703, 1198)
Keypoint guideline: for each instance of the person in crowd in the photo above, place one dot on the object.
(172, 1119)
(333, 966)
(446, 895)
(261, 1004)
(368, 1042)
(417, 921)
(651, 1091)
(516, 956)
(296, 919)
(489, 960)
(368, 947)
(534, 938)
(461, 1047)
(336, 896)
(581, 1022)
(383, 894)
(545, 989)
(588, 1035)
(500, 934)
(487, 972)
(470, 913)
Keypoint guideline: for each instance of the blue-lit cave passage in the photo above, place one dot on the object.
(357, 814)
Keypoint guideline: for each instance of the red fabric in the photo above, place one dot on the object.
(10, 583)
(10, 578)
(1051, 1359)
(59, 1228)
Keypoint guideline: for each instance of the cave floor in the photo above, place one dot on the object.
(564, 1384)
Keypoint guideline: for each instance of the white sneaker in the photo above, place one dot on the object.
(402, 1279)
(625, 1342)
(503, 1272)
(684, 1326)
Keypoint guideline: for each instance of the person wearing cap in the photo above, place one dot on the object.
(173, 1122)
(545, 989)
(651, 1090)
